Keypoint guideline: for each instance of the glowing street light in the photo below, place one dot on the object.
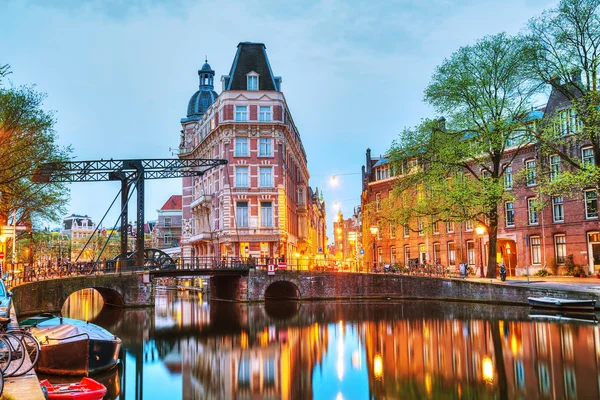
(333, 181)
(336, 205)
(378, 366)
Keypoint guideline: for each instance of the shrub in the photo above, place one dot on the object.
(572, 268)
(541, 272)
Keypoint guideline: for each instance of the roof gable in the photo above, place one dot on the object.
(174, 203)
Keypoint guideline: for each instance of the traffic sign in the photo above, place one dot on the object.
(1, 255)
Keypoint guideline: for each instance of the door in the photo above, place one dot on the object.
(594, 251)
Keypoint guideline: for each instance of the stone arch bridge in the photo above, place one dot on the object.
(243, 285)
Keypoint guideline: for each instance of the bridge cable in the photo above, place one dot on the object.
(115, 226)
(98, 225)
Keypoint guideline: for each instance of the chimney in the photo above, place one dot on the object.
(368, 164)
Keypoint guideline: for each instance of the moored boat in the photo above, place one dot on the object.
(74, 347)
(562, 304)
(87, 389)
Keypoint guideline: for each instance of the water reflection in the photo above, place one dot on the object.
(187, 348)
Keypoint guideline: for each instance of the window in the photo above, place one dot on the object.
(168, 222)
(509, 213)
(241, 176)
(168, 240)
(558, 214)
(377, 201)
(560, 248)
(530, 172)
(422, 254)
(266, 214)
(451, 253)
(554, 167)
(591, 204)
(587, 156)
(563, 123)
(379, 233)
(265, 147)
(241, 113)
(508, 177)
(241, 147)
(407, 255)
(392, 255)
(266, 176)
(379, 255)
(468, 226)
(449, 227)
(435, 227)
(536, 251)
(252, 82)
(420, 225)
(300, 196)
(392, 230)
(437, 255)
(471, 252)
(241, 215)
(265, 114)
(406, 230)
(532, 211)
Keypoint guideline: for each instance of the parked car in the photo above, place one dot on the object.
(5, 301)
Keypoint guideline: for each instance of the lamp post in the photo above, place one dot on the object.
(374, 231)
(480, 231)
(297, 255)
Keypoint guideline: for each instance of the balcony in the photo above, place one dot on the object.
(202, 200)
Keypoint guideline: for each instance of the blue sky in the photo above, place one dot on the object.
(119, 73)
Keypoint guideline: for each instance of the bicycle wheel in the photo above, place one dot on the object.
(32, 349)
(1, 383)
(5, 354)
(17, 349)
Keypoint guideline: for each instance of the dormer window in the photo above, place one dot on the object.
(252, 80)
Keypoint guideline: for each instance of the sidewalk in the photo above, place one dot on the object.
(26, 386)
(589, 284)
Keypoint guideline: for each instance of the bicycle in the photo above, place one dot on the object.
(18, 342)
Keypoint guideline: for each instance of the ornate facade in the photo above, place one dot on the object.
(259, 204)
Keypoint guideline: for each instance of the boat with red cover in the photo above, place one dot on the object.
(87, 389)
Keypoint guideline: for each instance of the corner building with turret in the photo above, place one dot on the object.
(259, 204)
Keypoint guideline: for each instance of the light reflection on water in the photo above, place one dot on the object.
(186, 348)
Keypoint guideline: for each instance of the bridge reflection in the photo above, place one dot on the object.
(398, 349)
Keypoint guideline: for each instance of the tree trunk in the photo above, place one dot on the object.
(499, 355)
(493, 244)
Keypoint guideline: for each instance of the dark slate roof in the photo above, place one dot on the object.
(251, 57)
(558, 101)
(381, 161)
(199, 103)
(203, 98)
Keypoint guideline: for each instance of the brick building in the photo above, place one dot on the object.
(258, 204)
(167, 231)
(346, 238)
(567, 225)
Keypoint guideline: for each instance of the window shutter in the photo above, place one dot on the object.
(228, 112)
(253, 113)
(277, 111)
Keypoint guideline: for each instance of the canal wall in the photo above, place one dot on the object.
(335, 285)
(130, 290)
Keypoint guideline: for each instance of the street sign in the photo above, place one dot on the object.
(271, 269)
(1, 255)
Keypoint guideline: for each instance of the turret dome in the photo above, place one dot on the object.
(204, 97)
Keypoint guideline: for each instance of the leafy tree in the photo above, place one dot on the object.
(27, 139)
(563, 48)
(483, 91)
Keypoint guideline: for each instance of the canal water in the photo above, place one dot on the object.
(188, 348)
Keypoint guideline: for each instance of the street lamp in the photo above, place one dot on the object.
(480, 230)
(297, 266)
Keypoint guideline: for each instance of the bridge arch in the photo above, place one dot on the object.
(282, 289)
(50, 295)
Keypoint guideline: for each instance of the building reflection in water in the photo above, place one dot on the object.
(349, 351)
